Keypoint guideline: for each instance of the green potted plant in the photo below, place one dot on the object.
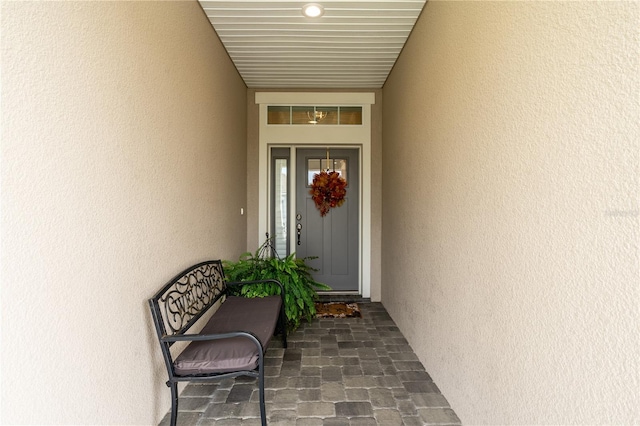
(294, 274)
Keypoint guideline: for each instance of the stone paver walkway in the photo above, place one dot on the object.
(342, 371)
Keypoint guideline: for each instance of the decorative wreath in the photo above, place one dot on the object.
(328, 190)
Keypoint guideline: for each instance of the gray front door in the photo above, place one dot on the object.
(334, 238)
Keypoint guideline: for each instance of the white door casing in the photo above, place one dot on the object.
(320, 136)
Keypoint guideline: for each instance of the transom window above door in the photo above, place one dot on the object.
(312, 115)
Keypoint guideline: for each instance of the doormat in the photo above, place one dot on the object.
(337, 310)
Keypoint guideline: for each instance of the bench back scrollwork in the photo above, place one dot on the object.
(181, 302)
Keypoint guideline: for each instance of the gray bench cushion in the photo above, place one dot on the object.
(258, 316)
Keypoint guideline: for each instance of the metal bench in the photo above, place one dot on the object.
(233, 341)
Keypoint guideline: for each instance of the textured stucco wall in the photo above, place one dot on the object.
(511, 215)
(123, 161)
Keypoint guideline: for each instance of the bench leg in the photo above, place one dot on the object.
(284, 332)
(283, 328)
(174, 402)
(263, 413)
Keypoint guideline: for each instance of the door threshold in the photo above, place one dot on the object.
(344, 297)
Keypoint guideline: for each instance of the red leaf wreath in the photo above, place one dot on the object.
(328, 190)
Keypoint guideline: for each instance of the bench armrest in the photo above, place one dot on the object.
(217, 336)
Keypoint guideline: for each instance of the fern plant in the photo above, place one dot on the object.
(294, 274)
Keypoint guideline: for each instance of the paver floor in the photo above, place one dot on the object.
(337, 371)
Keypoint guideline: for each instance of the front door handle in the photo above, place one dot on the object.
(299, 231)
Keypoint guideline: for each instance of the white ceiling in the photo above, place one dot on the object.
(353, 45)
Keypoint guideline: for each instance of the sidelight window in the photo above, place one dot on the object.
(280, 200)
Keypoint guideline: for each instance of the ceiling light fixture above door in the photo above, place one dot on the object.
(312, 10)
(316, 117)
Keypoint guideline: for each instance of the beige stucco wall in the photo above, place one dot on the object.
(123, 161)
(253, 140)
(511, 218)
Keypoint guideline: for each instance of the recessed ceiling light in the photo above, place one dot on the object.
(312, 10)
